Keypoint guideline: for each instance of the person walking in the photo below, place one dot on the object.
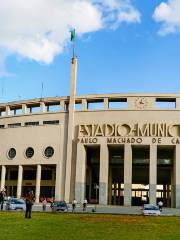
(85, 205)
(29, 198)
(74, 202)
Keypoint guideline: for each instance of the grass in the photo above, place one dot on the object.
(57, 226)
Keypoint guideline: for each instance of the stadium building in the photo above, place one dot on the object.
(113, 149)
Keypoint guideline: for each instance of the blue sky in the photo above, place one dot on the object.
(139, 54)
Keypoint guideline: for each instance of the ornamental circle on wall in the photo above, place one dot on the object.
(11, 153)
(29, 152)
(49, 152)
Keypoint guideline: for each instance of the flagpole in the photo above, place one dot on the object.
(74, 47)
(73, 39)
(70, 156)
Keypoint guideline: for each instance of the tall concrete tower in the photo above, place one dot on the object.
(70, 160)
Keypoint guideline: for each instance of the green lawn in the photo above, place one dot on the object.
(57, 226)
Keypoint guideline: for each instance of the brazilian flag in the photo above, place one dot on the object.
(73, 35)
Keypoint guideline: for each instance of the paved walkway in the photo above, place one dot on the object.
(112, 209)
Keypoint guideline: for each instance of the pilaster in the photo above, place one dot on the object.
(152, 174)
(19, 183)
(127, 174)
(38, 183)
(3, 176)
(177, 177)
(103, 176)
(80, 181)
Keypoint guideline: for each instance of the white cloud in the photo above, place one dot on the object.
(169, 15)
(39, 29)
(116, 12)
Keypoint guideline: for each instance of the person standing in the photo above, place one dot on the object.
(29, 198)
(44, 203)
(74, 202)
(160, 204)
(85, 205)
(2, 196)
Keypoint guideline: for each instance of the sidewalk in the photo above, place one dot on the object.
(111, 209)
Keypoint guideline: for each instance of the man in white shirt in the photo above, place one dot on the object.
(74, 202)
(160, 204)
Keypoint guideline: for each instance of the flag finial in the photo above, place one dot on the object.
(73, 38)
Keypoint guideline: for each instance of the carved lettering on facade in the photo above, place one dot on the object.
(129, 140)
(129, 130)
(175, 140)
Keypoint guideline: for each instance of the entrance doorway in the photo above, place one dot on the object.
(92, 174)
(140, 175)
(165, 162)
(116, 175)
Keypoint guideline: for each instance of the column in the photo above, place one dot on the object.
(42, 107)
(24, 109)
(177, 176)
(168, 196)
(58, 183)
(80, 182)
(127, 174)
(152, 174)
(110, 185)
(119, 193)
(178, 103)
(62, 105)
(106, 103)
(8, 110)
(114, 194)
(3, 176)
(173, 185)
(164, 193)
(38, 183)
(84, 104)
(103, 175)
(19, 184)
(90, 183)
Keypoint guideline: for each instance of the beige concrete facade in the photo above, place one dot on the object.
(111, 148)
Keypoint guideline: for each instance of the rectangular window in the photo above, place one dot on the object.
(13, 175)
(51, 122)
(2, 126)
(31, 109)
(166, 103)
(16, 111)
(29, 175)
(53, 107)
(95, 104)
(78, 106)
(31, 123)
(46, 175)
(118, 103)
(13, 125)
